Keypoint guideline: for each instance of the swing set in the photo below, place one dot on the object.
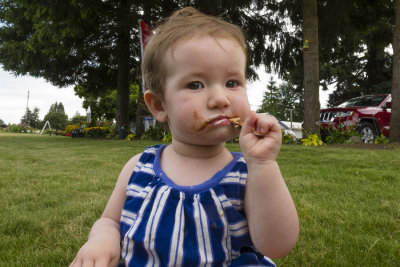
(47, 123)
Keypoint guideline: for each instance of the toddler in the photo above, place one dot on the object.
(194, 203)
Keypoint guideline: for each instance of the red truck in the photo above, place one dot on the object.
(371, 114)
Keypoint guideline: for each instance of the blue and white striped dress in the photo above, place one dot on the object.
(164, 224)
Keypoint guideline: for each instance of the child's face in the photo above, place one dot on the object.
(205, 86)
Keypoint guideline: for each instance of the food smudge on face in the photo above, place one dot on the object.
(199, 122)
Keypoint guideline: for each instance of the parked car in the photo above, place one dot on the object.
(370, 113)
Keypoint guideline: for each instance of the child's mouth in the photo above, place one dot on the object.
(218, 121)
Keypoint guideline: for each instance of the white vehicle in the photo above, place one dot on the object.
(295, 131)
(288, 130)
(295, 128)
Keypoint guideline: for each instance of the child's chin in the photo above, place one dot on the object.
(216, 136)
(217, 140)
(226, 138)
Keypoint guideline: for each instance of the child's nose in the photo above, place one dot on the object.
(218, 97)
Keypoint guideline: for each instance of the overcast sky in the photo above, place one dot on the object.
(14, 93)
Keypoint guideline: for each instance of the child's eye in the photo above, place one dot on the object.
(195, 85)
(231, 84)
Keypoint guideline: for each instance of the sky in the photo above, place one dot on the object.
(14, 96)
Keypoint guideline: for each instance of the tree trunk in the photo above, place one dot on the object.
(375, 68)
(311, 68)
(395, 118)
(123, 53)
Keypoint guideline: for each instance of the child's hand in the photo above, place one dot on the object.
(270, 211)
(262, 148)
(97, 252)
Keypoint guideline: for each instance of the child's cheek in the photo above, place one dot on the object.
(188, 117)
(242, 106)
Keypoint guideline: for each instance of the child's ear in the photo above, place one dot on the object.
(155, 106)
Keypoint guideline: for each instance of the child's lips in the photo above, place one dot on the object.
(221, 120)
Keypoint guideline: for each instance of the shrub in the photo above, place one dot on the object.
(97, 132)
(26, 129)
(312, 140)
(153, 134)
(381, 139)
(167, 138)
(338, 137)
(14, 128)
(69, 128)
(107, 125)
(55, 132)
(59, 132)
(287, 138)
(341, 134)
(130, 137)
(47, 131)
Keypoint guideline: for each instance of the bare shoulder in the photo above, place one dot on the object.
(128, 169)
(117, 199)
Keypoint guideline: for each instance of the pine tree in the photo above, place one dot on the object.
(31, 118)
(283, 102)
(56, 116)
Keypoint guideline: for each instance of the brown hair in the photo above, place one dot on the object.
(183, 24)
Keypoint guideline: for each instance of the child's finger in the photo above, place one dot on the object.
(268, 126)
(249, 123)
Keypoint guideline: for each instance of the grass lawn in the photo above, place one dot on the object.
(53, 188)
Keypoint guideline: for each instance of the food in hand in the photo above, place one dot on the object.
(237, 123)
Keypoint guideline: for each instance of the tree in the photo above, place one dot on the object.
(395, 118)
(95, 44)
(31, 118)
(57, 108)
(311, 68)
(354, 54)
(271, 99)
(353, 37)
(104, 105)
(70, 43)
(123, 56)
(292, 103)
(78, 119)
(283, 102)
(56, 116)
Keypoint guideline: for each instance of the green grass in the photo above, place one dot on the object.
(53, 188)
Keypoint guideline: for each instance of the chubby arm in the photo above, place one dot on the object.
(103, 245)
(270, 211)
